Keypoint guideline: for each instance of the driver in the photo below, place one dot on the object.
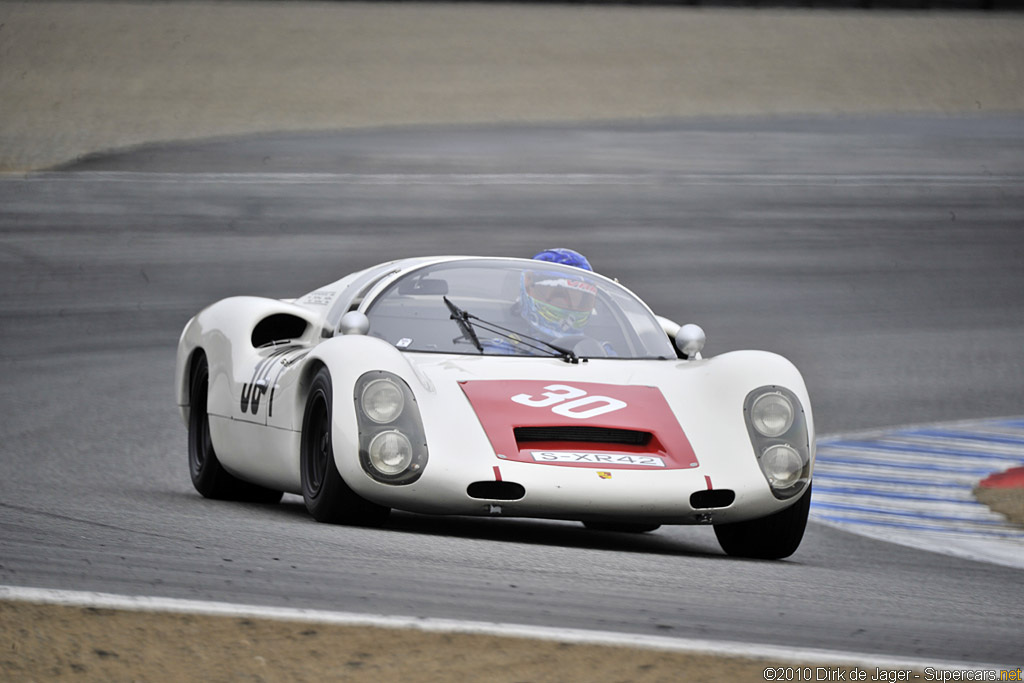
(554, 304)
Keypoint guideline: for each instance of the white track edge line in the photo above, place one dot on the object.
(523, 631)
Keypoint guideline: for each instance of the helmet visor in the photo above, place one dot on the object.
(569, 295)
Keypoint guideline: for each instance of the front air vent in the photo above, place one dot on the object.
(496, 490)
(627, 437)
(278, 328)
(714, 498)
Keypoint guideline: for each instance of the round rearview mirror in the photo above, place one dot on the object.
(690, 340)
(354, 322)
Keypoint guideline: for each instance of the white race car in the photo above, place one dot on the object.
(494, 386)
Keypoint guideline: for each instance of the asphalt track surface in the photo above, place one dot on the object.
(882, 255)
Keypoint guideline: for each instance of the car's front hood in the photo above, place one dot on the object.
(606, 414)
(584, 424)
(664, 414)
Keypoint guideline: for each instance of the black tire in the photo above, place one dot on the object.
(208, 476)
(768, 538)
(328, 498)
(624, 527)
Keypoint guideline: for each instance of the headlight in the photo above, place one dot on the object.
(771, 414)
(780, 436)
(392, 444)
(390, 452)
(782, 465)
(382, 401)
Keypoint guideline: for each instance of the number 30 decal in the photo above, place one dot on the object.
(556, 395)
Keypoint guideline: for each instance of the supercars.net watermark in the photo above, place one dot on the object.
(822, 673)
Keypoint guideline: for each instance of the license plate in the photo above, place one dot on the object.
(598, 458)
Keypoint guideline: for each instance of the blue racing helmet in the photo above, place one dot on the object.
(567, 257)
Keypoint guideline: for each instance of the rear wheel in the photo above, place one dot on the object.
(328, 498)
(768, 538)
(208, 476)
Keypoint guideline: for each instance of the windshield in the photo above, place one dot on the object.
(515, 308)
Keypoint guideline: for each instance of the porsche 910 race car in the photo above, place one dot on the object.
(494, 386)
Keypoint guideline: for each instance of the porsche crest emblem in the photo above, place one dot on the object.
(604, 475)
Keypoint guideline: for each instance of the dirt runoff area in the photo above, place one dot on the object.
(52, 643)
(1009, 502)
(83, 77)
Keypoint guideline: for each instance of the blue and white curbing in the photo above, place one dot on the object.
(914, 486)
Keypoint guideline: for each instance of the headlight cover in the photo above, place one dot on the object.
(777, 427)
(771, 414)
(390, 452)
(392, 445)
(382, 400)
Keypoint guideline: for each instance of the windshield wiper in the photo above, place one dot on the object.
(461, 317)
(465, 321)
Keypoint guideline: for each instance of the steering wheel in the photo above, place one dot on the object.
(582, 345)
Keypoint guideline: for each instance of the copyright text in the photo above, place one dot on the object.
(822, 673)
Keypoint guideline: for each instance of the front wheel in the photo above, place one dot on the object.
(769, 538)
(208, 476)
(328, 498)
